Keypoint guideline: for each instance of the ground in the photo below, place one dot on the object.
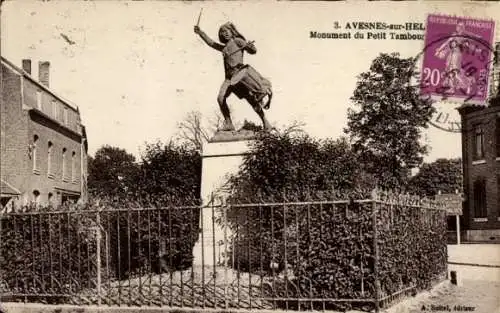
(478, 288)
(475, 253)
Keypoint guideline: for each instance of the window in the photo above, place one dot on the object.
(60, 112)
(478, 143)
(65, 117)
(73, 167)
(64, 174)
(480, 199)
(49, 160)
(39, 100)
(34, 153)
(55, 110)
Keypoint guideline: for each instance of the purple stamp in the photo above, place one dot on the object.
(457, 58)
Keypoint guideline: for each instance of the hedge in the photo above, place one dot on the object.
(52, 255)
(151, 240)
(330, 248)
(47, 254)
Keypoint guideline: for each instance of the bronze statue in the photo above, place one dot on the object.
(241, 79)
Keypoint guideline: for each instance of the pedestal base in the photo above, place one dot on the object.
(220, 160)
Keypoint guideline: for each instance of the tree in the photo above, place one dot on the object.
(112, 172)
(194, 131)
(387, 127)
(171, 170)
(442, 175)
(291, 162)
(171, 177)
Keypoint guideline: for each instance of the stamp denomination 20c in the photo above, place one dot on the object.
(455, 68)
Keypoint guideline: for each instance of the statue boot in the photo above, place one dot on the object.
(227, 125)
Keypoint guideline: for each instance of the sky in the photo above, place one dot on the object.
(136, 69)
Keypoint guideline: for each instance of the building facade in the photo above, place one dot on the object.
(43, 142)
(481, 165)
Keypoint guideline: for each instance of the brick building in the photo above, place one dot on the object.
(481, 164)
(43, 144)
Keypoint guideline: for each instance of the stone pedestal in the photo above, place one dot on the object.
(220, 160)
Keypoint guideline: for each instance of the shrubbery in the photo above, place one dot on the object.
(150, 238)
(48, 252)
(327, 250)
(412, 245)
(167, 178)
(284, 163)
(136, 206)
(287, 167)
(330, 247)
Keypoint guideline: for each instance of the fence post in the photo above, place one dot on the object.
(98, 256)
(1, 253)
(224, 212)
(374, 198)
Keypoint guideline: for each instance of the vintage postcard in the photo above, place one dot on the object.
(250, 155)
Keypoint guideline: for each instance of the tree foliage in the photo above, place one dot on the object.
(165, 171)
(112, 171)
(442, 175)
(293, 162)
(387, 126)
(170, 170)
(167, 176)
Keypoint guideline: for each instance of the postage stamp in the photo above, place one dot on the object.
(454, 66)
(457, 58)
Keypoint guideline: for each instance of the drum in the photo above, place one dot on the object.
(249, 84)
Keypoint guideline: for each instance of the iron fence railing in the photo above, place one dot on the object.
(315, 255)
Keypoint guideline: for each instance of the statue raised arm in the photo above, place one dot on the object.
(240, 79)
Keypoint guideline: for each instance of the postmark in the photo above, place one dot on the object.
(454, 67)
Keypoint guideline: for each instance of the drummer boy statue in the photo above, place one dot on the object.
(240, 79)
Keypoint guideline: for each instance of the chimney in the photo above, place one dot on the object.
(27, 66)
(43, 72)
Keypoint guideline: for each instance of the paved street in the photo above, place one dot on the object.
(475, 253)
(478, 289)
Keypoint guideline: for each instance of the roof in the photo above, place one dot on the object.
(22, 72)
(42, 114)
(474, 105)
(7, 189)
(467, 108)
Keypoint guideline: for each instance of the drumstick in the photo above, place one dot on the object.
(199, 17)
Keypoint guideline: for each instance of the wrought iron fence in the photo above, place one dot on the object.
(313, 255)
